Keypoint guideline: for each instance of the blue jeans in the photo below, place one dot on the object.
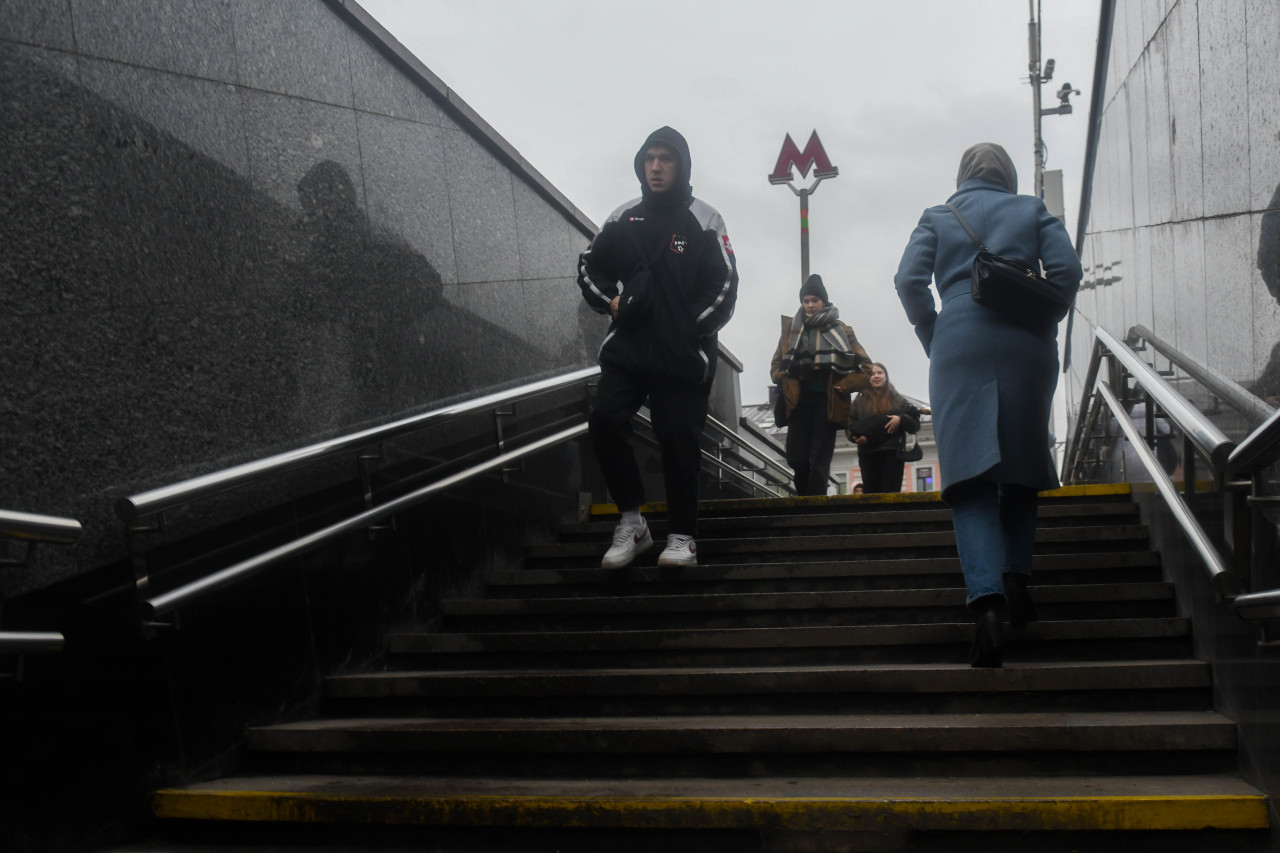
(995, 526)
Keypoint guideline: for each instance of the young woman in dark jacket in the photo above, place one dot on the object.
(879, 420)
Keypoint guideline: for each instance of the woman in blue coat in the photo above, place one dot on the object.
(991, 382)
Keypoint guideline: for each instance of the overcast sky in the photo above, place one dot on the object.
(896, 91)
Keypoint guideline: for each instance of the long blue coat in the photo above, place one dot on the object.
(991, 380)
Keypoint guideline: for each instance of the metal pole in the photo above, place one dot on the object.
(804, 236)
(1033, 38)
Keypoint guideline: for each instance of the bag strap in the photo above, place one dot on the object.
(964, 223)
(657, 255)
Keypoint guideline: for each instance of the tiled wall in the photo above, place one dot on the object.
(232, 227)
(1184, 231)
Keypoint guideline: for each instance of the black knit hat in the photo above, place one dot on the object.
(813, 287)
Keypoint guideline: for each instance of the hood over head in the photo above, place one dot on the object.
(987, 161)
(671, 138)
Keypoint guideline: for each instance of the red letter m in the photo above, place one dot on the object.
(813, 155)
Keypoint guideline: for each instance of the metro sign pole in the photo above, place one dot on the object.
(812, 157)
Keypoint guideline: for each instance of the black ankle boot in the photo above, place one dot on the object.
(988, 631)
(1021, 608)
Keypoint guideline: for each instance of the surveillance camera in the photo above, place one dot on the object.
(1065, 93)
(1048, 71)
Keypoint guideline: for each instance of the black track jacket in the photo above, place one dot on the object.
(695, 281)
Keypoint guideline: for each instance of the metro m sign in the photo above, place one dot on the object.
(813, 156)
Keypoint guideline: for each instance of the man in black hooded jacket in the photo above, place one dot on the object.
(663, 269)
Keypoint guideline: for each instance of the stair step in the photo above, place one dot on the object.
(855, 545)
(914, 679)
(937, 517)
(819, 573)
(1014, 732)
(1026, 803)
(844, 637)
(779, 609)
(784, 601)
(903, 688)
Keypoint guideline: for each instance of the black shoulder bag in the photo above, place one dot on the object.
(636, 302)
(1013, 287)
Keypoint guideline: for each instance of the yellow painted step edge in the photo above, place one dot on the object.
(1088, 490)
(812, 813)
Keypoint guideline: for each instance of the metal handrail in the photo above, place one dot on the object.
(711, 460)
(767, 439)
(1259, 449)
(30, 642)
(39, 528)
(1222, 386)
(167, 497)
(1258, 606)
(35, 529)
(1224, 581)
(767, 462)
(1199, 430)
(1084, 426)
(169, 601)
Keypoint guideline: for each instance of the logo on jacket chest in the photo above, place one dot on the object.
(678, 244)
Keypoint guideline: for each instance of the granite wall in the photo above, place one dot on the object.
(1183, 237)
(233, 227)
(1183, 233)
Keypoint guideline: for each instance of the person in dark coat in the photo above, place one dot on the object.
(817, 364)
(879, 421)
(991, 382)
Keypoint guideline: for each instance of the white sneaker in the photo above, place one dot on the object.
(680, 551)
(629, 541)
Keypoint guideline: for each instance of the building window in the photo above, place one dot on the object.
(924, 479)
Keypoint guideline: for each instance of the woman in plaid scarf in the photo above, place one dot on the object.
(817, 365)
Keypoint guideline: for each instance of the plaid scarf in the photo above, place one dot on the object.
(818, 340)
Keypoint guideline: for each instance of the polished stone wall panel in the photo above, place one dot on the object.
(46, 23)
(1200, 267)
(1123, 211)
(293, 47)
(204, 116)
(288, 137)
(50, 203)
(1229, 274)
(543, 241)
(391, 95)
(1136, 116)
(1135, 33)
(1162, 282)
(1224, 109)
(1184, 111)
(194, 37)
(482, 200)
(1263, 44)
(1119, 62)
(1158, 150)
(1190, 331)
(229, 230)
(1153, 15)
(1139, 279)
(1264, 229)
(406, 188)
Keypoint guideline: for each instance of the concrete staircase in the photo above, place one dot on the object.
(804, 688)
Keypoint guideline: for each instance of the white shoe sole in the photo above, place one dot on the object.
(685, 562)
